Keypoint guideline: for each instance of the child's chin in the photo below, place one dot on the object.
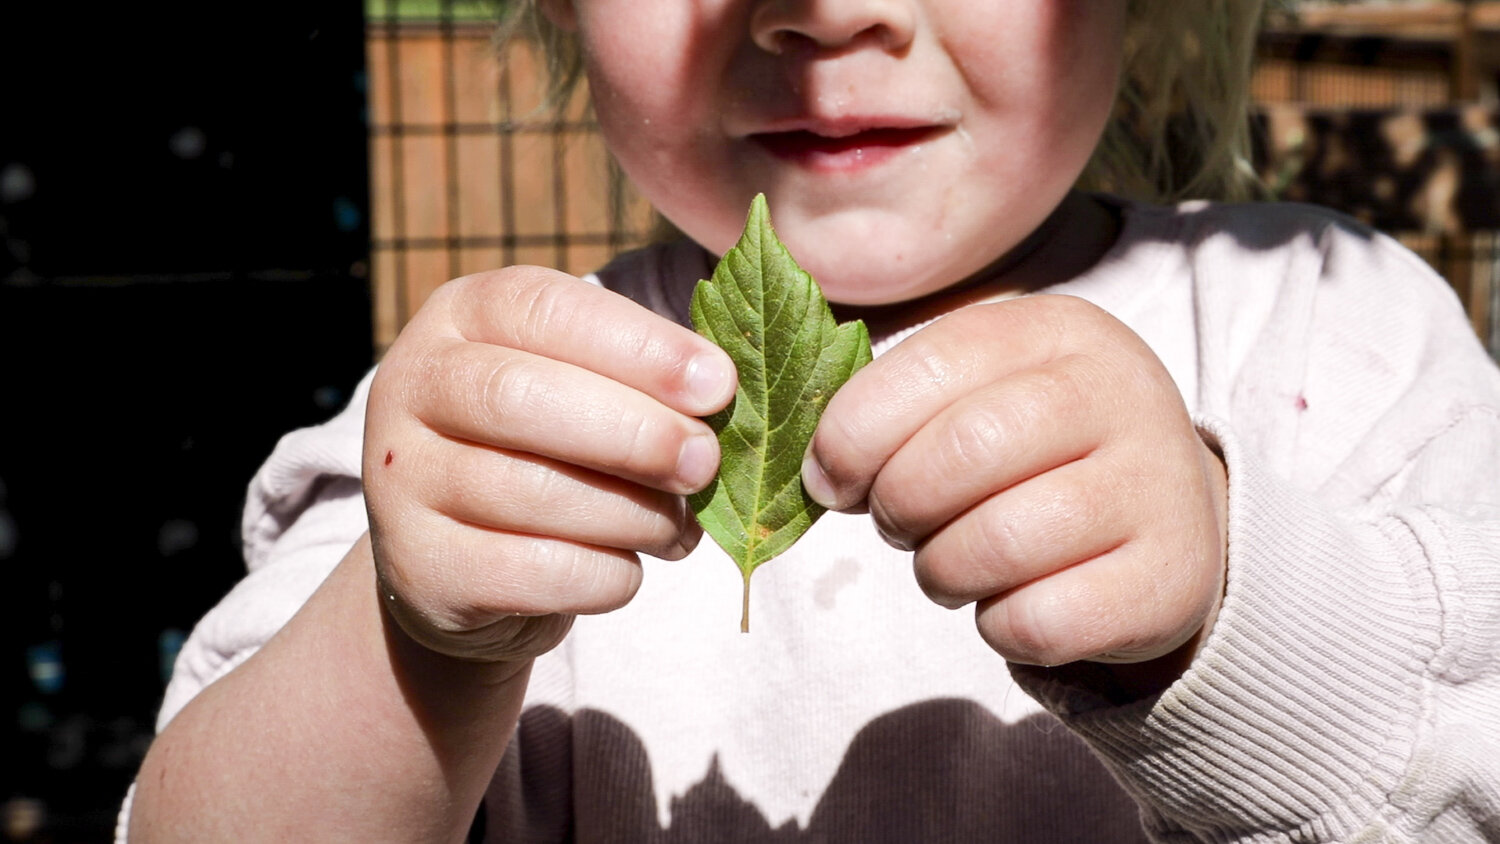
(876, 271)
(874, 288)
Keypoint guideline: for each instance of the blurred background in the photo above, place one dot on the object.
(212, 220)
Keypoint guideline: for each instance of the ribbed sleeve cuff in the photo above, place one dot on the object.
(1298, 716)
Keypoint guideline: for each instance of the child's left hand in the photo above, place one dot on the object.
(1039, 459)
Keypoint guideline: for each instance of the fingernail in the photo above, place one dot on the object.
(698, 461)
(815, 481)
(709, 379)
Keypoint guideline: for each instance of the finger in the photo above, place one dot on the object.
(468, 577)
(526, 493)
(887, 402)
(1063, 518)
(989, 440)
(1116, 606)
(518, 401)
(557, 316)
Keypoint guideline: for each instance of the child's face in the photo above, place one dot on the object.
(904, 145)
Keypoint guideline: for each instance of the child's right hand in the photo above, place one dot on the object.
(527, 434)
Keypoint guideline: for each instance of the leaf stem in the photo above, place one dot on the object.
(745, 607)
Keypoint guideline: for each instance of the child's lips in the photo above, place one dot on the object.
(844, 151)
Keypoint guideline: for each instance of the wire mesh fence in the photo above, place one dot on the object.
(471, 170)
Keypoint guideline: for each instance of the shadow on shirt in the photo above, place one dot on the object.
(937, 771)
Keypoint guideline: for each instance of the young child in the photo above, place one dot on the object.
(1218, 480)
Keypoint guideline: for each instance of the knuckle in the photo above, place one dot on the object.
(554, 577)
(647, 446)
(529, 482)
(996, 538)
(523, 303)
(406, 372)
(646, 348)
(533, 576)
(934, 359)
(579, 579)
(973, 438)
(1062, 390)
(512, 387)
(543, 309)
(511, 284)
(636, 433)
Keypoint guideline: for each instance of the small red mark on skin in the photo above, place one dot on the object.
(1301, 405)
(389, 456)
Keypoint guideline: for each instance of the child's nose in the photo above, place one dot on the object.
(776, 25)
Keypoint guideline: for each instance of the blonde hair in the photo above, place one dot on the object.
(1181, 127)
(1181, 124)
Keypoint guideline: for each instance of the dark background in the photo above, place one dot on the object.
(184, 253)
(183, 278)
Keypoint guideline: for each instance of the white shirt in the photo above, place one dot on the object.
(1350, 689)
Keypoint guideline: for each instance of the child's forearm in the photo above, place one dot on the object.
(340, 728)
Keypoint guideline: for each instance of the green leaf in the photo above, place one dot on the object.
(772, 319)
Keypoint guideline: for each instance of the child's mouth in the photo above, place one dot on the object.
(845, 152)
